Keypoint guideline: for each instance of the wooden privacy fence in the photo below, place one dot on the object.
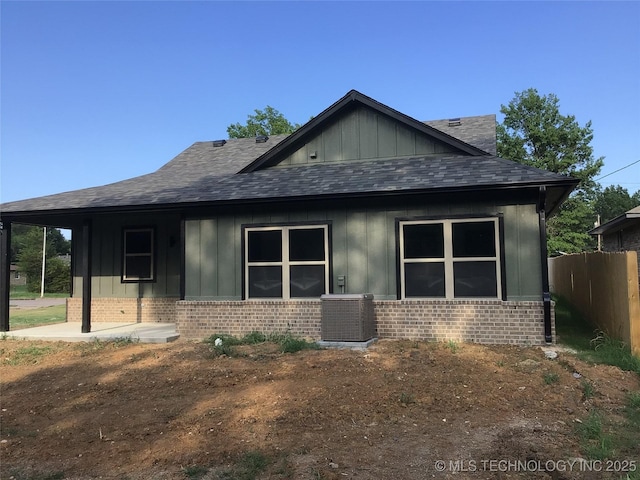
(604, 288)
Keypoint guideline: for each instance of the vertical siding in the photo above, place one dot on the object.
(107, 257)
(363, 244)
(362, 134)
(522, 249)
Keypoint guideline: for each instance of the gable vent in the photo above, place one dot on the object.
(219, 143)
(261, 138)
(454, 122)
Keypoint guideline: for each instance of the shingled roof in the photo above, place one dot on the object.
(206, 174)
(479, 131)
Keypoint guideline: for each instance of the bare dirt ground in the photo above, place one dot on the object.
(175, 411)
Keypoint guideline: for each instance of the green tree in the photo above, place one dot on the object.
(613, 201)
(535, 133)
(28, 250)
(265, 122)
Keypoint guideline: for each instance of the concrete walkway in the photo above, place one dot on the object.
(72, 332)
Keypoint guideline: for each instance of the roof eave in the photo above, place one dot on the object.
(616, 224)
(564, 185)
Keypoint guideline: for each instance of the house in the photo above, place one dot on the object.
(246, 234)
(17, 278)
(621, 234)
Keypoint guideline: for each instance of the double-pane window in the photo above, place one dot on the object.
(286, 262)
(450, 258)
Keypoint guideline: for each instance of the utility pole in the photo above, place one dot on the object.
(44, 259)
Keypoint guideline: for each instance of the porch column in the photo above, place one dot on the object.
(5, 274)
(86, 276)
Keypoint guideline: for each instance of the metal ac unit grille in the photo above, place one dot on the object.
(347, 318)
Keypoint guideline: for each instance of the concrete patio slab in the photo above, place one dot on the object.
(72, 332)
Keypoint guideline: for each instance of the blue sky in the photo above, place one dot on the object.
(97, 92)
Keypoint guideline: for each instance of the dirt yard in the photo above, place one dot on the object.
(401, 410)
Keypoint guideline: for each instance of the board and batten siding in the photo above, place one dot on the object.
(364, 134)
(106, 262)
(363, 244)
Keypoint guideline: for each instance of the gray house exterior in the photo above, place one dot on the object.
(246, 234)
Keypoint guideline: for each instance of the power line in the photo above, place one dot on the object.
(616, 171)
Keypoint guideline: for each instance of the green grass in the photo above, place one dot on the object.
(453, 346)
(601, 436)
(27, 355)
(592, 345)
(38, 316)
(248, 467)
(551, 378)
(596, 442)
(19, 475)
(195, 472)
(20, 292)
(587, 390)
(223, 344)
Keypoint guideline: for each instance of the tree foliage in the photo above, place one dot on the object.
(613, 201)
(265, 122)
(535, 133)
(26, 250)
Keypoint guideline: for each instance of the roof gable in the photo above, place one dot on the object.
(357, 127)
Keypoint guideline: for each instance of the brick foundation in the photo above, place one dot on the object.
(129, 310)
(480, 321)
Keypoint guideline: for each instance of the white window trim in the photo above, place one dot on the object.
(285, 263)
(126, 255)
(448, 258)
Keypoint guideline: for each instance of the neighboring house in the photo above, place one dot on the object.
(17, 278)
(621, 234)
(246, 234)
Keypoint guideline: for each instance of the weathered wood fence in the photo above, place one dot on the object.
(604, 288)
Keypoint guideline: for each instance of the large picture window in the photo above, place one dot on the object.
(286, 261)
(138, 255)
(458, 258)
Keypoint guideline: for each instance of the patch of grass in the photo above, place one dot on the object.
(592, 344)
(551, 378)
(248, 467)
(291, 344)
(97, 345)
(27, 355)
(572, 328)
(195, 472)
(406, 399)
(254, 338)
(223, 344)
(613, 352)
(20, 292)
(587, 390)
(632, 413)
(453, 346)
(19, 475)
(19, 319)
